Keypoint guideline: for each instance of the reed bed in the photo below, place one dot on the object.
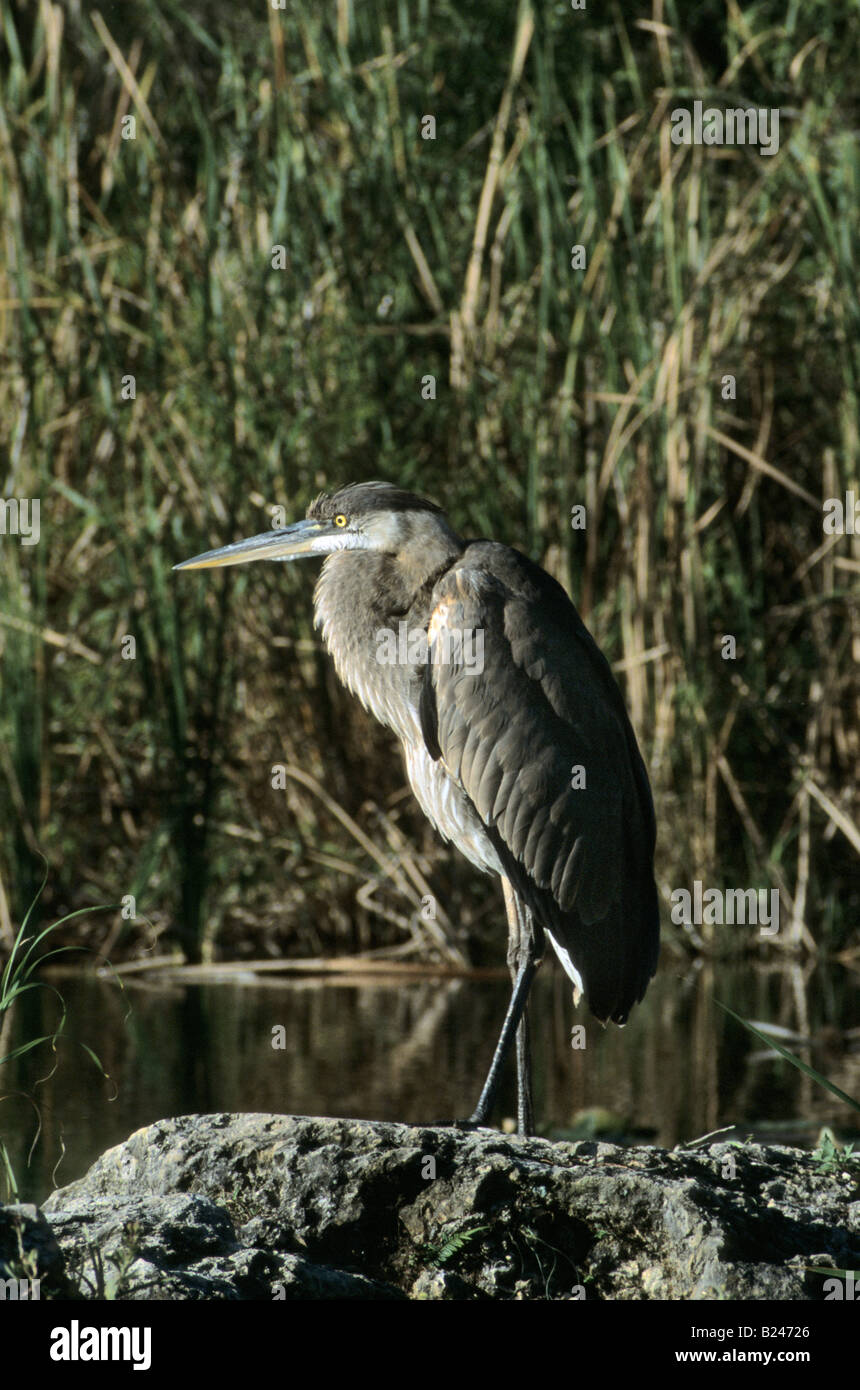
(143, 767)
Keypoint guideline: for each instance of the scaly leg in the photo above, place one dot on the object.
(525, 948)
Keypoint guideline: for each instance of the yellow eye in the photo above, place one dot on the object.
(340, 520)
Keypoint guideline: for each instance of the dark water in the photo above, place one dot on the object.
(417, 1052)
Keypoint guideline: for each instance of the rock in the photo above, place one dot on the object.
(31, 1261)
(271, 1206)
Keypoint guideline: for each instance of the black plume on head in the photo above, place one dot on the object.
(359, 499)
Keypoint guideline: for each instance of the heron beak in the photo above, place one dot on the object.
(289, 543)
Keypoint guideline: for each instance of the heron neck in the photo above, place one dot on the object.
(360, 594)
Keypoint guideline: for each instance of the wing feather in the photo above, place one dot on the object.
(511, 729)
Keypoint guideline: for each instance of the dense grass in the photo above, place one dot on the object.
(254, 386)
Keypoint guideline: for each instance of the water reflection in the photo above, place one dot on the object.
(415, 1052)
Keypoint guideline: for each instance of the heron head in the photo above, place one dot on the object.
(363, 516)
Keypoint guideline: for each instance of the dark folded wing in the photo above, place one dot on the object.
(524, 711)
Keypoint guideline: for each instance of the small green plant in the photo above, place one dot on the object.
(440, 1254)
(107, 1285)
(830, 1154)
(17, 979)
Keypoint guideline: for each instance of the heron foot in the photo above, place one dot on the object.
(469, 1124)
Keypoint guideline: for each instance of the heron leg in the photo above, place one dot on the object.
(525, 942)
(525, 1096)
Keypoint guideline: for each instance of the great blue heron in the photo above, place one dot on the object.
(524, 758)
